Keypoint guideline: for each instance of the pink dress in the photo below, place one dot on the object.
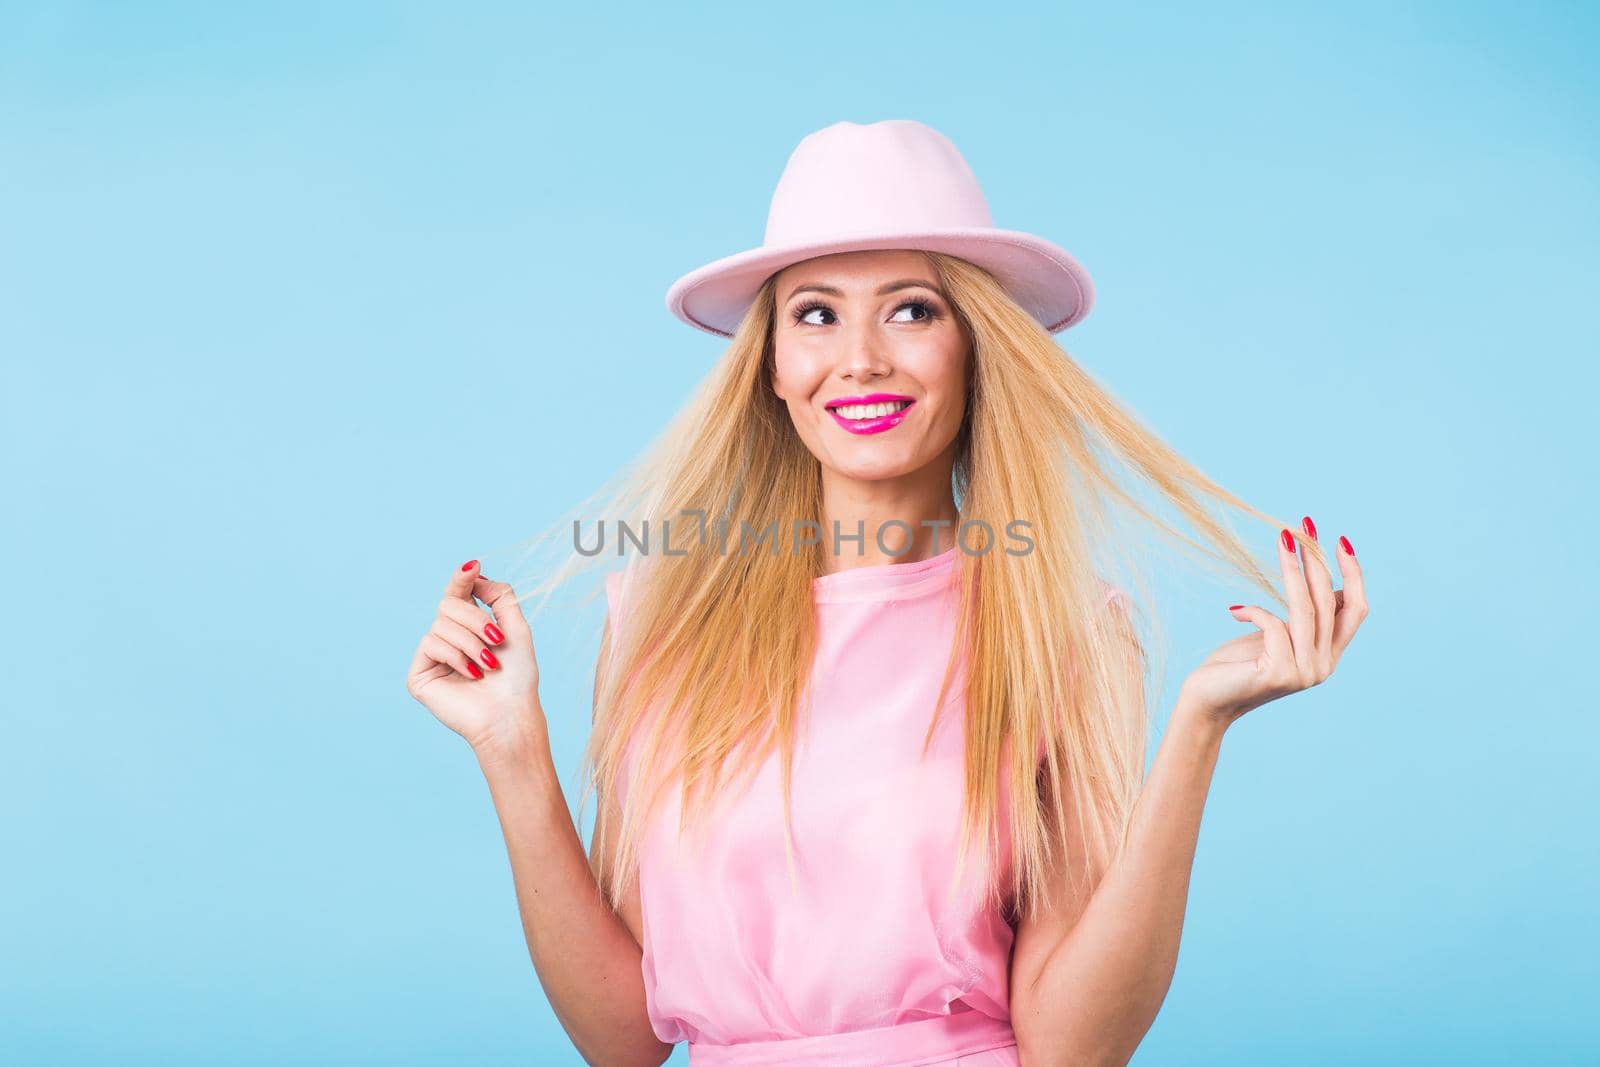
(870, 962)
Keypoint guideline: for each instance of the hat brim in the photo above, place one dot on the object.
(1042, 278)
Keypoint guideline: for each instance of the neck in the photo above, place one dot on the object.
(899, 520)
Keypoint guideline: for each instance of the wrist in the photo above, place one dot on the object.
(1204, 719)
(515, 740)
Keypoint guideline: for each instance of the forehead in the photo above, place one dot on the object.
(855, 270)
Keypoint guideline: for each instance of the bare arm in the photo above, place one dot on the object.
(1099, 988)
(586, 956)
(1087, 988)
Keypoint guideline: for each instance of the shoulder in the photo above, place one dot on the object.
(1111, 594)
(621, 585)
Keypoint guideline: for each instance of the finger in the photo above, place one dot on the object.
(421, 664)
(464, 641)
(460, 584)
(1354, 610)
(1274, 634)
(1321, 585)
(1302, 614)
(441, 651)
(502, 600)
(473, 618)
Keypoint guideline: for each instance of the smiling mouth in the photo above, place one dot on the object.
(869, 411)
(874, 416)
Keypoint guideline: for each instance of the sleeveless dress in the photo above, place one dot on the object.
(872, 961)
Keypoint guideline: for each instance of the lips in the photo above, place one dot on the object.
(865, 398)
(871, 413)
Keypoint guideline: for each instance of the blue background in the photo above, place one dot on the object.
(302, 306)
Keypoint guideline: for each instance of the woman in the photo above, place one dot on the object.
(874, 614)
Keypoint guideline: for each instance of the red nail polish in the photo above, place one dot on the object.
(467, 566)
(1309, 527)
(1345, 544)
(1235, 607)
(473, 667)
(1288, 540)
(488, 659)
(492, 632)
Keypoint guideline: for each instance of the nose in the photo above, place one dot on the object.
(864, 359)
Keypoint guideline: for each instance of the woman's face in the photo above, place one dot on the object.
(870, 326)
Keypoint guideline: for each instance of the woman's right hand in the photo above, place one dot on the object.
(477, 671)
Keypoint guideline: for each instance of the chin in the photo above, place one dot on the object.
(876, 468)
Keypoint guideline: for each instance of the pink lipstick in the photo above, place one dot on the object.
(890, 411)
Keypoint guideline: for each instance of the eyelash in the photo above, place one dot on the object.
(811, 305)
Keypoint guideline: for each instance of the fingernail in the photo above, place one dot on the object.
(1309, 527)
(492, 631)
(467, 566)
(473, 667)
(1344, 543)
(488, 659)
(1288, 540)
(1235, 607)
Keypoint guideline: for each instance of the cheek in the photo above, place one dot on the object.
(954, 378)
(794, 378)
(945, 374)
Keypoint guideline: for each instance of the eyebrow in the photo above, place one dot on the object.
(884, 290)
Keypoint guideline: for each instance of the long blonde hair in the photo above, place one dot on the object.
(709, 665)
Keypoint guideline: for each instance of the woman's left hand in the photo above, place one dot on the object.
(1282, 658)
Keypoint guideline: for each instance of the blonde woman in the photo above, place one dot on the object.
(869, 720)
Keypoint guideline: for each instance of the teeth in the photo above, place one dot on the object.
(871, 411)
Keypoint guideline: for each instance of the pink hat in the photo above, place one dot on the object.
(891, 184)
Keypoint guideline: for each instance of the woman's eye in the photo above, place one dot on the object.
(802, 314)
